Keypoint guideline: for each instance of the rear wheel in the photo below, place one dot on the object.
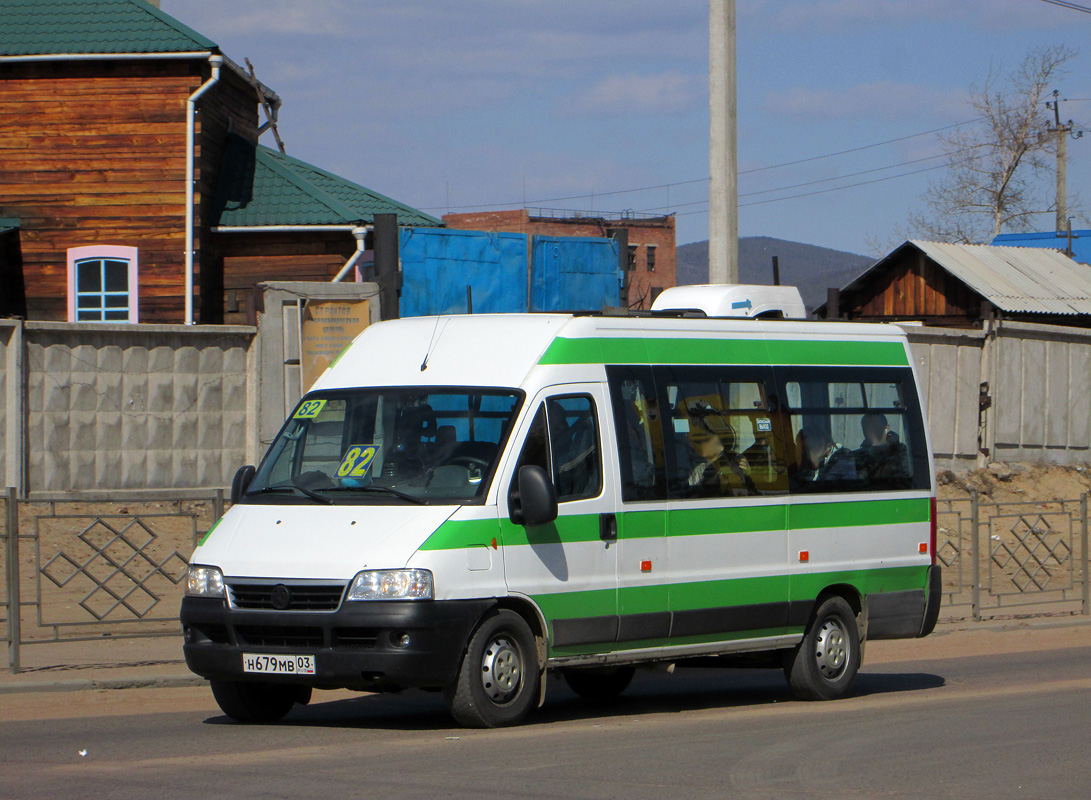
(824, 665)
(599, 684)
(246, 701)
(498, 680)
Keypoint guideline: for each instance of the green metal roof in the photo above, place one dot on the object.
(259, 186)
(65, 27)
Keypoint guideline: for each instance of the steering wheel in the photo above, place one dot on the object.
(468, 462)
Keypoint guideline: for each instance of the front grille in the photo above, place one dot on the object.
(303, 597)
(278, 636)
(355, 638)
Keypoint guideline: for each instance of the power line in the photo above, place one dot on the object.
(1073, 6)
(825, 191)
(863, 147)
(527, 203)
(813, 183)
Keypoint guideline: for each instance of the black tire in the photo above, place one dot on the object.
(824, 665)
(599, 684)
(246, 701)
(498, 680)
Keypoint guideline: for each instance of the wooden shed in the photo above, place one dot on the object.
(959, 285)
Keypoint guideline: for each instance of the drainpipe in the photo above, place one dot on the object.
(191, 124)
(359, 233)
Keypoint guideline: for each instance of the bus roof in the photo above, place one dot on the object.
(501, 350)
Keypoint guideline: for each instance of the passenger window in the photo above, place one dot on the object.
(727, 435)
(638, 422)
(853, 435)
(564, 441)
(574, 447)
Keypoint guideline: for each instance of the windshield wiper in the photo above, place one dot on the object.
(382, 490)
(313, 495)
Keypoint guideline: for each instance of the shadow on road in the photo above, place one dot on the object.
(650, 693)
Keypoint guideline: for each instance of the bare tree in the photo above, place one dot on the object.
(995, 178)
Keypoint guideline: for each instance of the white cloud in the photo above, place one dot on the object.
(891, 101)
(630, 93)
(828, 16)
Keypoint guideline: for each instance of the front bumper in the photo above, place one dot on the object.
(355, 647)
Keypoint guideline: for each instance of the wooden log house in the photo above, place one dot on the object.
(97, 99)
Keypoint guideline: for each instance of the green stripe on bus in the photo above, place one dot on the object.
(456, 534)
(852, 514)
(732, 592)
(453, 535)
(574, 605)
(209, 532)
(633, 350)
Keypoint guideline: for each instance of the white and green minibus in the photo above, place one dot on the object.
(466, 503)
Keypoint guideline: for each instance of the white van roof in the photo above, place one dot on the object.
(734, 300)
(501, 350)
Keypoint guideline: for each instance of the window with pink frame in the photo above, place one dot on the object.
(102, 284)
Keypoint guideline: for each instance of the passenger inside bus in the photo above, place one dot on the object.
(719, 471)
(882, 458)
(822, 459)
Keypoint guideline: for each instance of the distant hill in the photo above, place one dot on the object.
(813, 269)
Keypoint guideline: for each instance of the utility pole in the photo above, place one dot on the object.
(1062, 132)
(723, 157)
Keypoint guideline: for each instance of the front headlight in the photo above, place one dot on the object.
(391, 584)
(204, 582)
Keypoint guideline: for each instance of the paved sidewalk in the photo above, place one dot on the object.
(99, 664)
(158, 662)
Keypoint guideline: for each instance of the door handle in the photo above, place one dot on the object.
(608, 527)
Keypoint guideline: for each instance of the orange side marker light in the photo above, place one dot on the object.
(923, 547)
(804, 556)
(645, 566)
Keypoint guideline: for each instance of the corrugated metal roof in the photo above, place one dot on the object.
(1055, 240)
(48, 27)
(259, 186)
(1028, 280)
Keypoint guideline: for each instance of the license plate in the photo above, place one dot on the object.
(278, 665)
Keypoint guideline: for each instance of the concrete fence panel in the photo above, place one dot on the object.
(949, 368)
(132, 407)
(1041, 394)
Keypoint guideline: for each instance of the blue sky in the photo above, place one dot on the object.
(487, 103)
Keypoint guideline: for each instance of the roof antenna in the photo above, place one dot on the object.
(428, 352)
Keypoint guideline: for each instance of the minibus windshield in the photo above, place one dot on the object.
(388, 446)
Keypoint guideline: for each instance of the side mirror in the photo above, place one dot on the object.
(241, 482)
(535, 503)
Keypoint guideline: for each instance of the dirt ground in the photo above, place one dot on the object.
(1013, 483)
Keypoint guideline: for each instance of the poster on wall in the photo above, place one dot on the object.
(326, 328)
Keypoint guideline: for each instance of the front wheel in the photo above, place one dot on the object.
(824, 665)
(248, 701)
(498, 680)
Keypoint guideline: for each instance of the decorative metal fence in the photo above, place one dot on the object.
(1003, 558)
(79, 570)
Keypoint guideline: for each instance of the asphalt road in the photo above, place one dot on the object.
(1014, 724)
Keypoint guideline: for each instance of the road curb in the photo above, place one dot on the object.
(104, 684)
